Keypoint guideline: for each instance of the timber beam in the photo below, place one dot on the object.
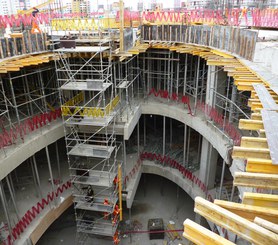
(253, 142)
(255, 165)
(261, 200)
(245, 153)
(248, 211)
(234, 223)
(256, 180)
(247, 124)
(266, 224)
(256, 116)
(200, 235)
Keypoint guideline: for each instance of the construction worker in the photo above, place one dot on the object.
(116, 239)
(90, 195)
(116, 212)
(106, 203)
(35, 26)
(115, 182)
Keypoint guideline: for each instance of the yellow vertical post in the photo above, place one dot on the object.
(121, 25)
(120, 190)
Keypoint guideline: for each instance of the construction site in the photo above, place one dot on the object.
(149, 124)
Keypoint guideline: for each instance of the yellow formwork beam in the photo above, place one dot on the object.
(266, 224)
(217, 52)
(243, 86)
(256, 180)
(261, 166)
(247, 124)
(249, 212)
(261, 200)
(234, 223)
(245, 153)
(253, 142)
(262, 133)
(200, 235)
(256, 116)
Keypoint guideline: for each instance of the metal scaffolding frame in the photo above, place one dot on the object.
(90, 104)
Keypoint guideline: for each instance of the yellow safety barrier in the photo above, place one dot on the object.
(75, 100)
(87, 24)
(89, 112)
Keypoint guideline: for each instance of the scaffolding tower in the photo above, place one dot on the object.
(90, 103)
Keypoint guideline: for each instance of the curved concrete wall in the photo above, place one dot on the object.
(173, 175)
(34, 142)
(218, 141)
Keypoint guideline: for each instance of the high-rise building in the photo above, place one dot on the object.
(80, 6)
(140, 5)
(9, 7)
(177, 4)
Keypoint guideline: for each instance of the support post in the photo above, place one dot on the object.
(4, 204)
(58, 161)
(222, 179)
(163, 150)
(12, 197)
(197, 85)
(37, 175)
(188, 147)
(184, 144)
(171, 133)
(50, 169)
(145, 140)
(138, 138)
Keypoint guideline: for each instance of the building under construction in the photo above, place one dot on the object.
(94, 105)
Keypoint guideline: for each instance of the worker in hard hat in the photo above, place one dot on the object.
(116, 212)
(116, 239)
(106, 203)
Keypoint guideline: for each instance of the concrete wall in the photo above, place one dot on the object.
(34, 142)
(218, 141)
(174, 175)
(267, 55)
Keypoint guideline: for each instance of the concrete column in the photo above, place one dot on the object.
(208, 164)
(211, 78)
(164, 123)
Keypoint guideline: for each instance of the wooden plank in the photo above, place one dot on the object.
(249, 212)
(49, 218)
(270, 120)
(261, 200)
(266, 224)
(247, 124)
(256, 116)
(234, 223)
(200, 235)
(261, 166)
(256, 180)
(253, 142)
(245, 153)
(267, 101)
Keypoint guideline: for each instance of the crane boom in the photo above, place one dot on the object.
(29, 11)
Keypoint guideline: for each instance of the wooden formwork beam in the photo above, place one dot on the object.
(266, 224)
(256, 180)
(256, 116)
(261, 200)
(234, 223)
(248, 211)
(262, 133)
(245, 153)
(261, 166)
(253, 142)
(247, 124)
(200, 235)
